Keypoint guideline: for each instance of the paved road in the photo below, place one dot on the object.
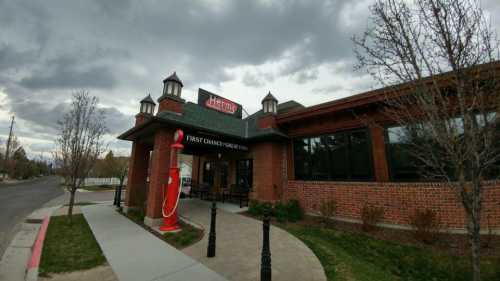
(19, 200)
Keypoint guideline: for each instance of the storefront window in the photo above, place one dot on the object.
(244, 173)
(341, 156)
(403, 166)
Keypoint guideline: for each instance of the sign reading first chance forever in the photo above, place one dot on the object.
(207, 141)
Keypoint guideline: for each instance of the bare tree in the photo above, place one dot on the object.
(80, 142)
(116, 167)
(445, 52)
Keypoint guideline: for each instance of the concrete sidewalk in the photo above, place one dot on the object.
(239, 246)
(135, 254)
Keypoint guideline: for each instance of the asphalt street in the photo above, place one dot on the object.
(19, 200)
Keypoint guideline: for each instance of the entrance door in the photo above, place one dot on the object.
(215, 173)
(209, 172)
(223, 173)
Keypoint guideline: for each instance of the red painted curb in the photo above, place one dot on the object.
(37, 247)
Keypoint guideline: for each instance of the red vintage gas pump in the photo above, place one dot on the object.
(172, 190)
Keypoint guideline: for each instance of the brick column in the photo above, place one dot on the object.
(267, 171)
(380, 165)
(195, 171)
(135, 194)
(159, 176)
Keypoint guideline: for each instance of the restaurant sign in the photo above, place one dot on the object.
(208, 141)
(218, 103)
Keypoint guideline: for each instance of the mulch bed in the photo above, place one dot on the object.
(178, 244)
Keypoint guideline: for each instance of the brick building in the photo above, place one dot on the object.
(288, 151)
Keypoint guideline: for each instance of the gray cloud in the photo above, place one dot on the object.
(66, 76)
(11, 58)
(252, 80)
(116, 121)
(40, 114)
(306, 76)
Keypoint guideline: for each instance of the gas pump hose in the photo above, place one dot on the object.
(165, 201)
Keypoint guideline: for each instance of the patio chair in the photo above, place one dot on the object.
(226, 192)
(195, 189)
(205, 190)
(240, 192)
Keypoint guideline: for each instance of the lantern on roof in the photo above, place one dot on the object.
(148, 105)
(172, 86)
(270, 104)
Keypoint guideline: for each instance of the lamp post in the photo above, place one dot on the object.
(265, 265)
(211, 236)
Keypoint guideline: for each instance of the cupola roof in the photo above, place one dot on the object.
(174, 78)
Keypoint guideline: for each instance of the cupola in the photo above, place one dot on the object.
(270, 104)
(269, 110)
(171, 99)
(146, 110)
(172, 86)
(148, 105)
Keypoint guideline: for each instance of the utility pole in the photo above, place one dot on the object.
(7, 149)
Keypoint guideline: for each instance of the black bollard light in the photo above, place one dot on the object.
(211, 236)
(115, 200)
(265, 263)
(119, 200)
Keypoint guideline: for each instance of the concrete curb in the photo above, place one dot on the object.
(36, 253)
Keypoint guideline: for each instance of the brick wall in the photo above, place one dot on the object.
(160, 164)
(170, 104)
(267, 121)
(399, 200)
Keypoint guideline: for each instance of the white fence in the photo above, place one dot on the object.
(103, 181)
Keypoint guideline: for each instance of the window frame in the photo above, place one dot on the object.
(347, 137)
(238, 171)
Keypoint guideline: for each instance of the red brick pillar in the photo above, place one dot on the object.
(267, 171)
(159, 176)
(195, 169)
(135, 194)
(380, 164)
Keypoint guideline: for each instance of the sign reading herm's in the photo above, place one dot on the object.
(207, 141)
(218, 103)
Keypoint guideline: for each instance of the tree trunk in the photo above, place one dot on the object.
(475, 243)
(71, 203)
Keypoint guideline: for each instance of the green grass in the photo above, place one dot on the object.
(351, 256)
(187, 236)
(69, 247)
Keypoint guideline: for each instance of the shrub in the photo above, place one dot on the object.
(295, 212)
(425, 224)
(371, 215)
(328, 209)
(256, 208)
(281, 212)
(289, 211)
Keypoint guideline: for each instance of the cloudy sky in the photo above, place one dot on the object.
(121, 50)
